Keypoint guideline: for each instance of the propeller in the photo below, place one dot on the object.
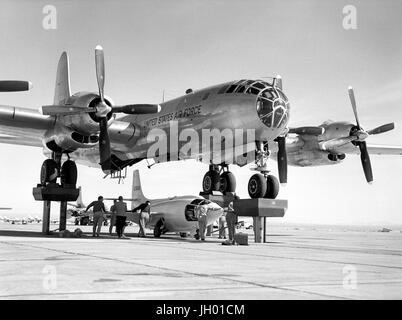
(282, 160)
(102, 111)
(358, 135)
(14, 85)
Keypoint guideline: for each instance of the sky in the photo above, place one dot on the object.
(151, 46)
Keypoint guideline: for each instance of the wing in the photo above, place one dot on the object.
(382, 149)
(372, 149)
(22, 141)
(23, 126)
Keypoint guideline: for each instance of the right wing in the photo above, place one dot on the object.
(23, 126)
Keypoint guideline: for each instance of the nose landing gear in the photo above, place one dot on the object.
(262, 185)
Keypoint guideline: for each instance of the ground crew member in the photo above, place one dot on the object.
(145, 212)
(222, 226)
(202, 220)
(99, 211)
(231, 220)
(112, 216)
(121, 216)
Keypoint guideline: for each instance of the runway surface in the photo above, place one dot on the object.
(298, 262)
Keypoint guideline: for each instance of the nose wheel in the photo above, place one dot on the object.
(263, 186)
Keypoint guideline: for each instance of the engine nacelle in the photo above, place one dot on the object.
(64, 139)
(336, 157)
(334, 130)
(86, 124)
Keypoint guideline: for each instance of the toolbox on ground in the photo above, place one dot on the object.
(241, 238)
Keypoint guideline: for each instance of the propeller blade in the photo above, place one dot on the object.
(314, 131)
(100, 70)
(353, 102)
(65, 110)
(14, 85)
(365, 158)
(282, 160)
(138, 109)
(104, 146)
(382, 129)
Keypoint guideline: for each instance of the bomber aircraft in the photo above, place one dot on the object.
(83, 127)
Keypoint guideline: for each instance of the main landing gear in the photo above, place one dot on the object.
(260, 185)
(52, 169)
(49, 190)
(219, 178)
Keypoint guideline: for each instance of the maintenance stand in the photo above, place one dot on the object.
(259, 209)
(49, 190)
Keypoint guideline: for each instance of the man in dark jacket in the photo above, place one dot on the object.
(99, 211)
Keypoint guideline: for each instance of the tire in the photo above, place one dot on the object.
(48, 172)
(211, 182)
(69, 173)
(227, 182)
(158, 229)
(257, 186)
(272, 187)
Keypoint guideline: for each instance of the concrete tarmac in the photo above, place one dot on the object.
(297, 263)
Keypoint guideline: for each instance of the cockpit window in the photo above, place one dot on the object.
(253, 87)
(272, 106)
(196, 201)
(189, 210)
(240, 89)
(231, 88)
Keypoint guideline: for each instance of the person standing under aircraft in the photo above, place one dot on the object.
(202, 220)
(145, 212)
(231, 220)
(121, 216)
(99, 211)
(222, 226)
(112, 216)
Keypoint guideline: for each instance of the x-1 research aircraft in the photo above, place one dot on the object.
(83, 127)
(174, 214)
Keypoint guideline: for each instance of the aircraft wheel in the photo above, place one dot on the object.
(48, 172)
(158, 229)
(211, 181)
(69, 173)
(227, 182)
(272, 187)
(257, 186)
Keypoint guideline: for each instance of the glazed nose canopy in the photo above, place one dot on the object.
(272, 107)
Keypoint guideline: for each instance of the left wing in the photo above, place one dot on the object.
(372, 149)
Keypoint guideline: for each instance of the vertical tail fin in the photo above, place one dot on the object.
(136, 193)
(62, 90)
